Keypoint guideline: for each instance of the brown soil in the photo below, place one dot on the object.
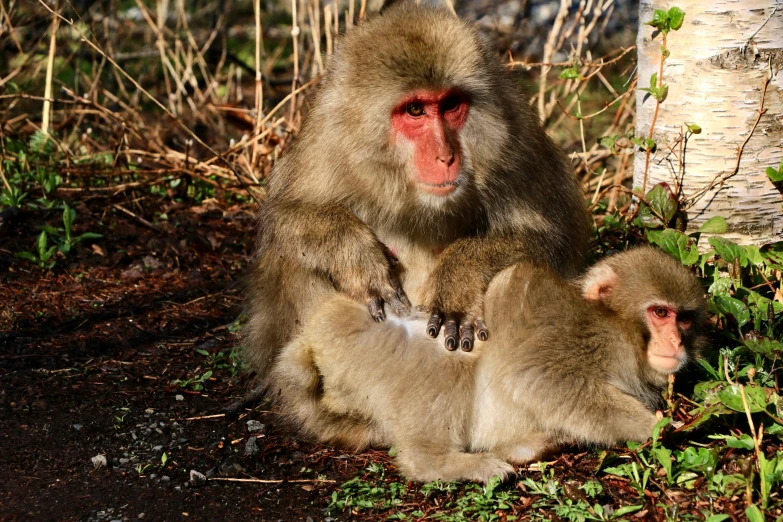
(88, 353)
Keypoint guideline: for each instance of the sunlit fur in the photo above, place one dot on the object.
(558, 368)
(345, 187)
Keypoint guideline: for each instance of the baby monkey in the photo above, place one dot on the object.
(568, 362)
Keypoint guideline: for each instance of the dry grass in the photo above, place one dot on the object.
(213, 96)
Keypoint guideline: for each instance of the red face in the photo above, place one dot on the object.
(431, 121)
(665, 352)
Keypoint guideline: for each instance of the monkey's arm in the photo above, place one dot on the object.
(330, 240)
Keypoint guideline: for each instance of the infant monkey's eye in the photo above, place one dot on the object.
(414, 109)
(661, 312)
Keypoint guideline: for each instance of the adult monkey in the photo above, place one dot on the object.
(420, 148)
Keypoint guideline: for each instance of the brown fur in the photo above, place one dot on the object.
(343, 192)
(559, 368)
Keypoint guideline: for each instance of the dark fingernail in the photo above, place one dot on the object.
(467, 345)
(451, 344)
(482, 336)
(432, 331)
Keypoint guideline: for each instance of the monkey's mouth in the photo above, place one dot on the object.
(442, 189)
(665, 363)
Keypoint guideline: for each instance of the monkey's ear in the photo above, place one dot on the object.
(599, 282)
(447, 4)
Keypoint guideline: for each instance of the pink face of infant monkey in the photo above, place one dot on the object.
(565, 363)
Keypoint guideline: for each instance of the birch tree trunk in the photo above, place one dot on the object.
(716, 74)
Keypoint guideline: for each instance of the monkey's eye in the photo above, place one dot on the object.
(415, 109)
(661, 312)
(450, 103)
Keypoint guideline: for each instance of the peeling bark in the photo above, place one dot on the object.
(715, 73)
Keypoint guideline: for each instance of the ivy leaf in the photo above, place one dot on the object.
(676, 17)
(733, 307)
(676, 244)
(662, 199)
(731, 396)
(659, 20)
(728, 250)
(714, 225)
(608, 141)
(774, 175)
(569, 74)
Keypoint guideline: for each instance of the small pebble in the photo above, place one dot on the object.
(196, 478)
(99, 460)
(165, 478)
(251, 447)
(124, 461)
(157, 448)
(179, 397)
(77, 427)
(254, 426)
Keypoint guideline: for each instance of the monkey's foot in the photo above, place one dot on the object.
(453, 466)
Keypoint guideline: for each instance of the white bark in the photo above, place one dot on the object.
(714, 84)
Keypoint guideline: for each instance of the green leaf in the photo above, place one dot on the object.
(728, 250)
(674, 243)
(625, 510)
(774, 175)
(26, 255)
(607, 141)
(569, 74)
(744, 441)
(42, 242)
(695, 129)
(676, 17)
(734, 307)
(731, 397)
(654, 82)
(660, 19)
(656, 432)
(662, 199)
(716, 518)
(714, 225)
(664, 457)
(663, 92)
(769, 348)
(88, 235)
(754, 514)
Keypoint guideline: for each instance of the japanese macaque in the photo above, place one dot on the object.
(567, 362)
(419, 151)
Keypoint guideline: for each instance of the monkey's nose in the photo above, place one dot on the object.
(446, 157)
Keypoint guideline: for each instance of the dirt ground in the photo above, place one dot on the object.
(107, 407)
(88, 353)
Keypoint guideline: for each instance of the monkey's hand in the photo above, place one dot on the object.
(454, 296)
(372, 280)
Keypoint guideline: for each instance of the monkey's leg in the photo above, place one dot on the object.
(607, 416)
(425, 462)
(296, 381)
(530, 448)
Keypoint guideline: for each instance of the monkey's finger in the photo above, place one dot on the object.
(466, 336)
(433, 325)
(375, 306)
(398, 301)
(481, 329)
(451, 333)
